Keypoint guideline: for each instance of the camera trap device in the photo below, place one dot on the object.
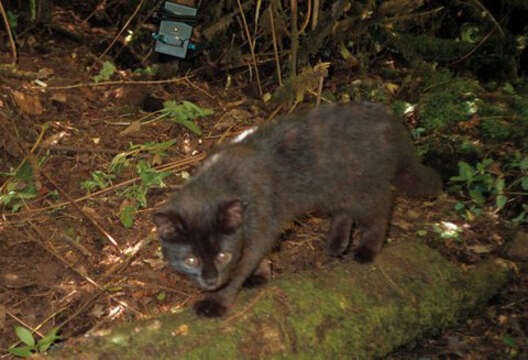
(175, 29)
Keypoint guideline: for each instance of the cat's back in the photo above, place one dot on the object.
(326, 136)
(331, 124)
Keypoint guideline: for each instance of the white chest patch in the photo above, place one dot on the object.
(244, 134)
(211, 160)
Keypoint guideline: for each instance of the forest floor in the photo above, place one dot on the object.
(81, 268)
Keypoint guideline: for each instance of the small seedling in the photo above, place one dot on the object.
(486, 183)
(100, 180)
(184, 114)
(20, 187)
(31, 346)
(137, 194)
(106, 72)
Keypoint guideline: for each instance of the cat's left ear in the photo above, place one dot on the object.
(166, 224)
(231, 215)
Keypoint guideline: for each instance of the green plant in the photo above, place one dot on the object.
(479, 182)
(149, 70)
(19, 187)
(184, 114)
(31, 346)
(106, 72)
(487, 183)
(121, 160)
(12, 19)
(137, 194)
(100, 180)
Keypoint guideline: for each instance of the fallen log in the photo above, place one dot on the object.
(347, 310)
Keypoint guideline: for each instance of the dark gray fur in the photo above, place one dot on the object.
(340, 160)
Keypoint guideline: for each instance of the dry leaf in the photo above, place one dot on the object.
(2, 316)
(44, 73)
(392, 88)
(402, 224)
(135, 126)
(28, 104)
(480, 249)
(91, 212)
(182, 330)
(413, 214)
(97, 311)
(53, 139)
(59, 97)
(157, 160)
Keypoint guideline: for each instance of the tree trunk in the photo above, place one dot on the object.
(346, 310)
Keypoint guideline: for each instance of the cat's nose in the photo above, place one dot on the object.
(209, 283)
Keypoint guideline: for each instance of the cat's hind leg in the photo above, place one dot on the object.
(260, 276)
(372, 224)
(340, 233)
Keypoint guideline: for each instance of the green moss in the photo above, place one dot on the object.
(446, 100)
(346, 311)
(431, 48)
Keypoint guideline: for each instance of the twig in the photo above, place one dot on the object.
(251, 47)
(118, 267)
(493, 20)
(482, 41)
(9, 34)
(275, 47)
(83, 213)
(315, 14)
(248, 307)
(120, 32)
(257, 17)
(294, 106)
(322, 97)
(78, 247)
(294, 39)
(392, 283)
(307, 20)
(411, 16)
(110, 83)
(194, 86)
(27, 156)
(113, 269)
(59, 257)
(320, 90)
(33, 330)
(99, 6)
(181, 164)
(39, 326)
(61, 148)
(275, 112)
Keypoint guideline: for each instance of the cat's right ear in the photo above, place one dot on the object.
(168, 224)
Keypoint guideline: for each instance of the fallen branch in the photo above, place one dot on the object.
(345, 310)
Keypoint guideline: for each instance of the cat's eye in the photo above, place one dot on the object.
(223, 257)
(191, 261)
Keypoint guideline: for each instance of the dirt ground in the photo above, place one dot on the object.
(58, 263)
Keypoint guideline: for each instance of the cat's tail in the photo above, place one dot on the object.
(417, 180)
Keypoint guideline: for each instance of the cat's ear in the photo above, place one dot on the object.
(231, 215)
(168, 224)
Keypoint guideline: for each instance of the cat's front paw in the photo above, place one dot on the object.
(337, 248)
(209, 308)
(364, 254)
(255, 281)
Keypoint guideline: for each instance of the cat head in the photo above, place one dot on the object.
(202, 240)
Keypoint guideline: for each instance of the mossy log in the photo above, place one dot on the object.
(346, 310)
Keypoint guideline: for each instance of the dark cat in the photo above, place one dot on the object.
(342, 160)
